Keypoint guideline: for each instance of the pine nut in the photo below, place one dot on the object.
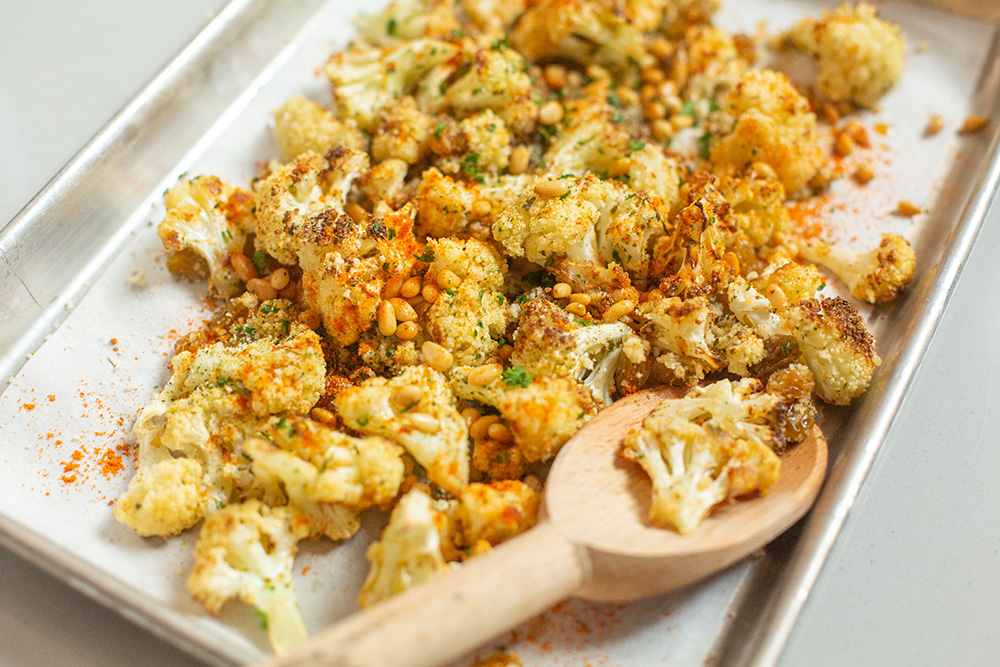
(505, 351)
(934, 125)
(243, 266)
(551, 112)
(480, 427)
(262, 289)
(279, 279)
(551, 189)
(619, 167)
(410, 288)
(681, 121)
(481, 208)
(310, 318)
(402, 310)
(424, 422)
(655, 294)
(907, 208)
(323, 416)
(732, 260)
(654, 111)
(470, 415)
(561, 290)
(661, 48)
(628, 96)
(386, 319)
(289, 291)
(430, 292)
(555, 76)
(577, 309)
(653, 75)
(662, 128)
(392, 287)
(648, 93)
(975, 123)
(407, 331)
(500, 433)
(448, 279)
(407, 396)
(480, 376)
(437, 357)
(580, 298)
(858, 134)
(519, 159)
(619, 310)
(864, 173)
(595, 71)
(358, 214)
(843, 145)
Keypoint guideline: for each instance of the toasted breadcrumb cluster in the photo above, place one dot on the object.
(507, 215)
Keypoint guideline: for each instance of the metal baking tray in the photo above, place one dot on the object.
(66, 258)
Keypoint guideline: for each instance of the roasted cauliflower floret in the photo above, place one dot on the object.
(680, 331)
(583, 31)
(711, 446)
(714, 64)
(246, 551)
(302, 197)
(486, 76)
(497, 511)
(210, 220)
(773, 125)
(164, 498)
(366, 80)
(836, 346)
(446, 206)
(492, 15)
(860, 56)
(549, 341)
(302, 126)
(542, 413)
(416, 410)
(406, 20)
(876, 276)
(409, 552)
(487, 138)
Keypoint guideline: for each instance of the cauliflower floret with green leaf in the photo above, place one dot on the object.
(541, 412)
(302, 126)
(488, 139)
(835, 345)
(582, 31)
(711, 446)
(298, 197)
(409, 552)
(470, 260)
(366, 80)
(415, 409)
(488, 75)
(773, 125)
(550, 341)
(860, 56)
(876, 276)
(206, 222)
(407, 20)
(247, 551)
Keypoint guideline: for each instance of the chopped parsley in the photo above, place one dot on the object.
(635, 145)
(470, 167)
(391, 27)
(704, 145)
(516, 377)
(426, 255)
(262, 617)
(439, 129)
(259, 260)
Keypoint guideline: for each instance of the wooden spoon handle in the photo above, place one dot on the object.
(450, 616)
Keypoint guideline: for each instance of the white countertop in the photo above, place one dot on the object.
(915, 576)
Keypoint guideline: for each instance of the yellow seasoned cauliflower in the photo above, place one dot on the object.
(713, 445)
(835, 345)
(446, 205)
(302, 126)
(403, 132)
(680, 331)
(876, 276)
(773, 125)
(416, 410)
(713, 63)
(164, 498)
(247, 551)
(582, 31)
(302, 196)
(860, 56)
(497, 511)
(406, 20)
(206, 222)
(492, 15)
(488, 140)
(409, 552)
(366, 80)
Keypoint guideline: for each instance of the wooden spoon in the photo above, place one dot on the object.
(594, 541)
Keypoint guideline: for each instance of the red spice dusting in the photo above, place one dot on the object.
(110, 463)
(28, 406)
(51, 397)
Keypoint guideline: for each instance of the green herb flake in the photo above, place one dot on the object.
(262, 617)
(705, 145)
(516, 377)
(440, 128)
(426, 255)
(259, 260)
(391, 27)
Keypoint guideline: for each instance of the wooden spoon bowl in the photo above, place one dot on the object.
(594, 541)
